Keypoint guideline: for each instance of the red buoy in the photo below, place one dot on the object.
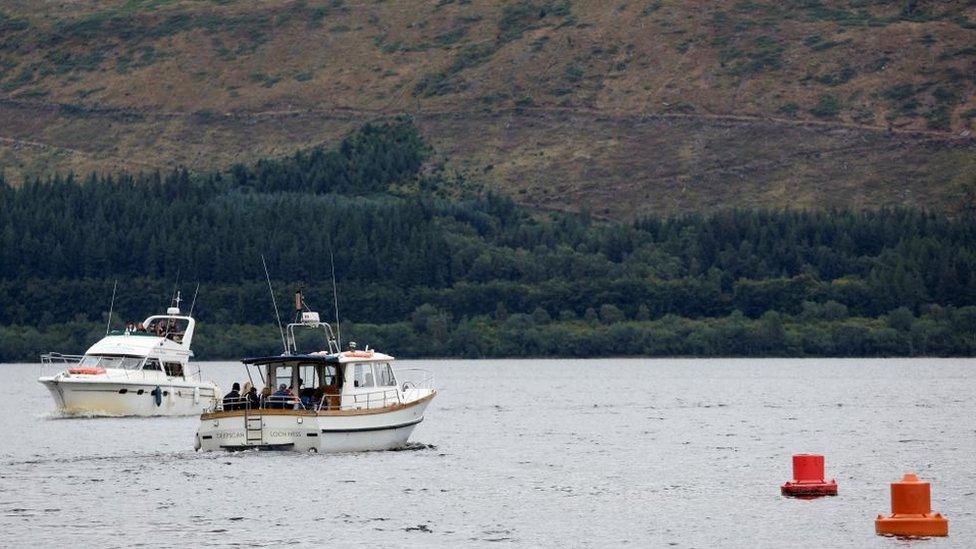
(911, 511)
(808, 478)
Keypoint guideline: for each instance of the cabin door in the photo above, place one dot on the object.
(358, 392)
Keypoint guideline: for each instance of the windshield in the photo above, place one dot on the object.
(172, 328)
(117, 362)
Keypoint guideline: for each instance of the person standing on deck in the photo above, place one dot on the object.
(232, 400)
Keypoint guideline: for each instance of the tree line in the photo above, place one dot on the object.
(404, 248)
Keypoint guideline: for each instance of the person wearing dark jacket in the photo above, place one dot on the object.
(283, 397)
(253, 400)
(232, 400)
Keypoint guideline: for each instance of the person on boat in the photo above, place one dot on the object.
(318, 396)
(141, 328)
(169, 330)
(266, 397)
(306, 394)
(251, 398)
(232, 400)
(282, 396)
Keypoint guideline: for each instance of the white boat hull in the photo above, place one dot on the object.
(95, 397)
(300, 431)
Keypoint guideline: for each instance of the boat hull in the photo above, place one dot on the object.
(301, 431)
(95, 398)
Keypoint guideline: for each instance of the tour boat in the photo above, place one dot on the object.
(326, 401)
(139, 371)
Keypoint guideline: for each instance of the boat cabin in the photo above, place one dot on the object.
(347, 380)
(321, 381)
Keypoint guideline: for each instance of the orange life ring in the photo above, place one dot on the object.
(87, 371)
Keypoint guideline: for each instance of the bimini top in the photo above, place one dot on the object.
(322, 357)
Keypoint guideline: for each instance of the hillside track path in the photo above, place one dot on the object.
(343, 112)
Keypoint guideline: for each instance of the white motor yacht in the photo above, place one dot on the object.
(139, 371)
(325, 401)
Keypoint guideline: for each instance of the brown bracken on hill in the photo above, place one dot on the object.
(624, 108)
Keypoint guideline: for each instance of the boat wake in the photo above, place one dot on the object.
(414, 447)
(94, 459)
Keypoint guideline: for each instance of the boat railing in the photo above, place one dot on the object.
(52, 363)
(292, 344)
(267, 403)
(381, 398)
(415, 378)
(49, 359)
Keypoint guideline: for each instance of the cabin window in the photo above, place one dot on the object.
(306, 376)
(283, 375)
(173, 369)
(120, 362)
(329, 377)
(152, 364)
(363, 375)
(130, 363)
(384, 375)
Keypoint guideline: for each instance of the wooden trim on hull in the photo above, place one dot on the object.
(254, 413)
(306, 413)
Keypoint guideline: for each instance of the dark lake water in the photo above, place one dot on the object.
(574, 453)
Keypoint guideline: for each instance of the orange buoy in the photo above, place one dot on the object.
(911, 511)
(808, 478)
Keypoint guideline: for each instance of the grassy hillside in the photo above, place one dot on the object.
(624, 108)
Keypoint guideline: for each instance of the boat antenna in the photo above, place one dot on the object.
(194, 301)
(111, 307)
(335, 300)
(176, 289)
(275, 303)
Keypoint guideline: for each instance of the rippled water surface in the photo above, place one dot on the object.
(591, 453)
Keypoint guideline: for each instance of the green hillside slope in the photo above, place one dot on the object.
(425, 272)
(620, 107)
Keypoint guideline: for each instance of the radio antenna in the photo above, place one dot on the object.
(335, 300)
(194, 301)
(275, 303)
(176, 289)
(111, 308)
